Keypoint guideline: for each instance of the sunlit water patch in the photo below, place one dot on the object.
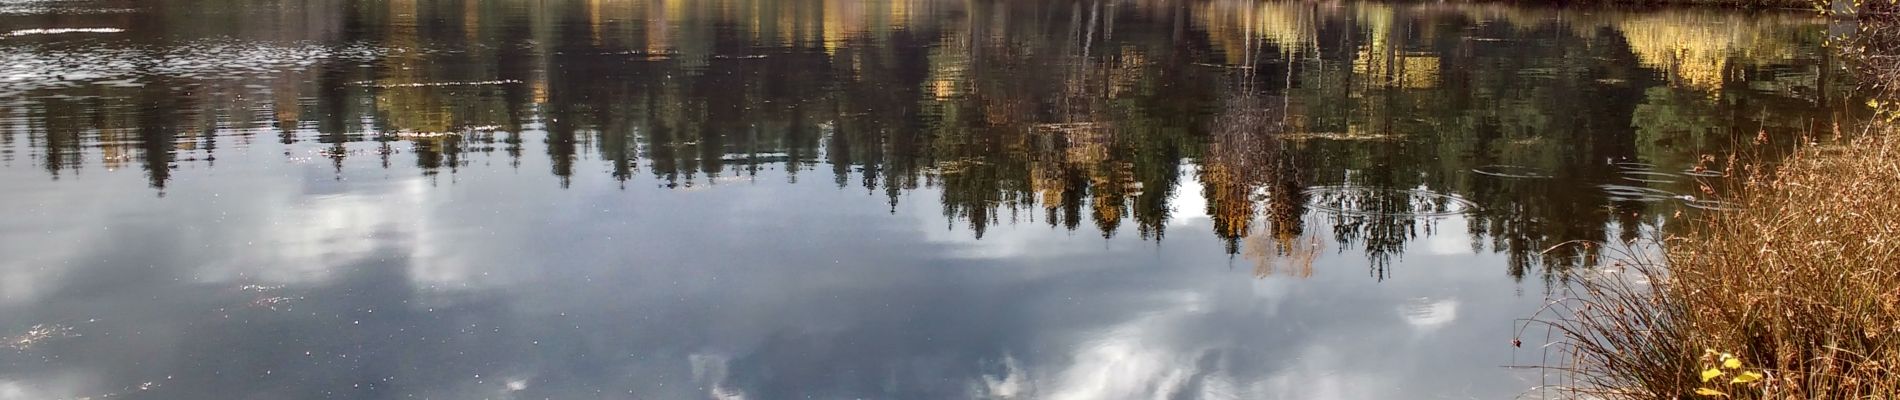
(40, 334)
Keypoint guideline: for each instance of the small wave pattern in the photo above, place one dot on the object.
(1361, 201)
(1512, 172)
(57, 31)
(1635, 177)
(59, 7)
(30, 68)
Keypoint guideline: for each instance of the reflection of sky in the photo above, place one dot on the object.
(494, 283)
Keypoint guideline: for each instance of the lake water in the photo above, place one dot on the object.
(843, 199)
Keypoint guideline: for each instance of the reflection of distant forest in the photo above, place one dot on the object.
(1065, 113)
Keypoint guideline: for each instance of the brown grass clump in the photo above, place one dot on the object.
(1793, 294)
(1804, 280)
(1800, 286)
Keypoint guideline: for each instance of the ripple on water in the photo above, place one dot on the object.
(1653, 195)
(57, 31)
(29, 68)
(1632, 165)
(1647, 176)
(1511, 172)
(1637, 193)
(61, 7)
(374, 84)
(1351, 200)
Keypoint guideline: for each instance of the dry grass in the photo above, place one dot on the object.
(1805, 280)
(1801, 284)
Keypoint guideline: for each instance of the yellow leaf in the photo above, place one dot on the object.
(1746, 377)
(1711, 373)
(1732, 363)
(1710, 392)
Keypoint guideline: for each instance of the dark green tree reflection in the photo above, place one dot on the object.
(1296, 122)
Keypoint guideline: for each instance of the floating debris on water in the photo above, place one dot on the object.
(55, 31)
(434, 84)
(40, 334)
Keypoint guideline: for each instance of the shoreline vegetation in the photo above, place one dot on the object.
(1746, 4)
(1794, 294)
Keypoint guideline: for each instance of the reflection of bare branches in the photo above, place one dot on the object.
(1874, 46)
(1248, 162)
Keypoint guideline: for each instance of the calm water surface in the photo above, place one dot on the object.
(892, 199)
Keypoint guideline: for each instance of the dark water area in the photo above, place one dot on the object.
(843, 199)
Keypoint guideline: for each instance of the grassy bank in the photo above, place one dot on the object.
(1793, 295)
(1752, 4)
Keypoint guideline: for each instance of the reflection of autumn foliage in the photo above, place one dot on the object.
(1237, 28)
(1695, 50)
(1247, 162)
(1013, 111)
(1281, 254)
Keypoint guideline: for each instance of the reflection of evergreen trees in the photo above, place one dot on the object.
(1077, 113)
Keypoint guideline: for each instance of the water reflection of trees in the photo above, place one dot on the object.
(1071, 113)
